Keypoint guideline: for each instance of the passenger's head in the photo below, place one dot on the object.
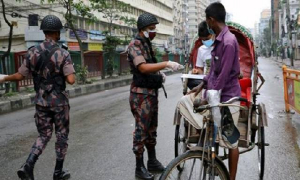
(203, 32)
(215, 14)
(207, 37)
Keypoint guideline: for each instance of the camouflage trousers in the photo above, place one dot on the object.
(145, 111)
(45, 119)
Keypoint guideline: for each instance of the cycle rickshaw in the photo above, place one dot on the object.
(252, 121)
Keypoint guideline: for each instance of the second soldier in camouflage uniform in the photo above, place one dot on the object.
(144, 94)
(50, 66)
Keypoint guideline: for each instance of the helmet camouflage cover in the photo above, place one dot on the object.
(51, 23)
(145, 20)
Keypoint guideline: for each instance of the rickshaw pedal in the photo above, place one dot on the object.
(259, 144)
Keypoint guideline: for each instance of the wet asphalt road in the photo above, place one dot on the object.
(101, 136)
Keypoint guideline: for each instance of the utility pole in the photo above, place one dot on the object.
(7, 53)
(186, 46)
(272, 26)
(288, 19)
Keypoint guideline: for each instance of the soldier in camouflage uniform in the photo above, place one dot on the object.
(144, 94)
(50, 66)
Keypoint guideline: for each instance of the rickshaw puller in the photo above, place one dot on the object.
(225, 69)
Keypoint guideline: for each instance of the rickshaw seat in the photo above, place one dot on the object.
(246, 85)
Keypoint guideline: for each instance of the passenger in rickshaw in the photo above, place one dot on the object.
(202, 65)
(224, 75)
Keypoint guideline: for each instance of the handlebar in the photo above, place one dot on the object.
(227, 103)
(230, 101)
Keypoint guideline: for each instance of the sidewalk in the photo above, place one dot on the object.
(287, 62)
(293, 118)
(25, 99)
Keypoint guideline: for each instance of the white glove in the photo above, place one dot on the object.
(174, 66)
(2, 76)
(163, 76)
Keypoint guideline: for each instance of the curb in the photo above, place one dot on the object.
(28, 101)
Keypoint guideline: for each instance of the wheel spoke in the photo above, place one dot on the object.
(192, 169)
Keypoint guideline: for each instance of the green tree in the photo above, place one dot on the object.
(82, 10)
(110, 45)
(131, 22)
(112, 11)
(267, 41)
(6, 54)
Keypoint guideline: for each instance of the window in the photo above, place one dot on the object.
(75, 22)
(97, 26)
(81, 23)
(87, 25)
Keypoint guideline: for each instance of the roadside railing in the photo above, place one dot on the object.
(96, 62)
(291, 82)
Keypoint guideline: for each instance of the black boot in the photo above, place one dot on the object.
(26, 170)
(59, 173)
(153, 164)
(141, 171)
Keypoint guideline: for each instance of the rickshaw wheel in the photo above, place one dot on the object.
(261, 146)
(180, 141)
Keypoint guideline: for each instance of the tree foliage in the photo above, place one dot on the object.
(266, 45)
(112, 11)
(82, 10)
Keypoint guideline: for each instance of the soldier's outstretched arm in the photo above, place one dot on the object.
(14, 77)
(147, 68)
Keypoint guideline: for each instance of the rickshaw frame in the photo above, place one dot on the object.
(256, 116)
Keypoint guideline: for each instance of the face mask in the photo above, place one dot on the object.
(150, 34)
(208, 43)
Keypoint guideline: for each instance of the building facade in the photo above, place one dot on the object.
(283, 22)
(275, 18)
(196, 14)
(179, 23)
(26, 30)
(264, 20)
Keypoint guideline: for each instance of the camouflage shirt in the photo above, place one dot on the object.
(138, 51)
(59, 58)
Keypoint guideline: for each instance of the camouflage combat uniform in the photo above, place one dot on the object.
(53, 108)
(143, 102)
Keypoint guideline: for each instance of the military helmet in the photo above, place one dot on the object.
(51, 23)
(145, 20)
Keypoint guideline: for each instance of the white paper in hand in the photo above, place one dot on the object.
(2, 76)
(192, 76)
